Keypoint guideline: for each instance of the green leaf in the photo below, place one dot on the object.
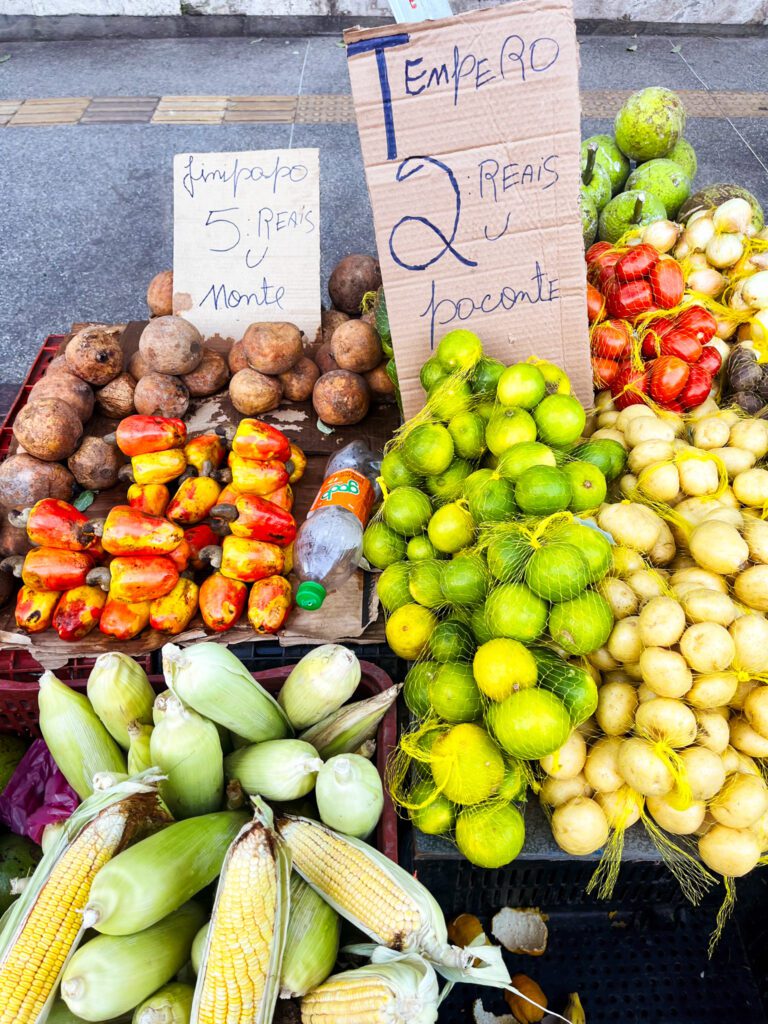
(84, 500)
(381, 317)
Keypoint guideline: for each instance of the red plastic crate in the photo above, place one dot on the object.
(48, 350)
(19, 711)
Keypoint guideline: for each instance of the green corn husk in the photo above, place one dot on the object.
(172, 1004)
(198, 947)
(367, 750)
(158, 713)
(78, 741)
(106, 780)
(61, 1014)
(112, 974)
(321, 682)
(153, 878)
(120, 693)
(51, 834)
(209, 678)
(312, 942)
(350, 727)
(186, 748)
(139, 757)
(158, 708)
(349, 795)
(275, 770)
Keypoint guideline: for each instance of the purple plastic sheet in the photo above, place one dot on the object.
(36, 795)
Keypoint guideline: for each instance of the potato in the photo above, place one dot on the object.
(610, 434)
(760, 829)
(678, 821)
(604, 402)
(355, 346)
(380, 383)
(699, 474)
(95, 464)
(622, 808)
(626, 561)
(644, 692)
(743, 689)
(741, 802)
(718, 547)
(647, 584)
(631, 525)
(138, 367)
(736, 761)
(341, 398)
(159, 394)
(712, 689)
(701, 605)
(647, 453)
(95, 353)
(49, 429)
(660, 482)
(58, 363)
(601, 660)
(751, 487)
(746, 739)
(751, 434)
(253, 393)
(730, 852)
(579, 826)
(710, 432)
(624, 643)
(555, 792)
(643, 769)
(25, 480)
(696, 578)
(667, 721)
(704, 771)
(621, 598)
(273, 348)
(299, 382)
(750, 636)
(735, 460)
(601, 766)
(171, 345)
(751, 587)
(713, 732)
(756, 709)
(116, 398)
(607, 419)
(616, 704)
(209, 376)
(160, 294)
(666, 672)
(663, 551)
(707, 647)
(755, 533)
(648, 428)
(568, 761)
(236, 357)
(70, 389)
(661, 622)
(325, 360)
(635, 412)
(350, 279)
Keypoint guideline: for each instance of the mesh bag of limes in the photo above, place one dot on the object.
(489, 562)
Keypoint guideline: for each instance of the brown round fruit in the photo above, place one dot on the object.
(95, 353)
(355, 346)
(341, 398)
(138, 366)
(95, 464)
(13, 540)
(273, 348)
(160, 394)
(49, 429)
(57, 364)
(69, 388)
(378, 380)
(171, 345)
(116, 398)
(253, 392)
(160, 294)
(209, 377)
(236, 357)
(25, 480)
(330, 319)
(299, 381)
(325, 360)
(351, 278)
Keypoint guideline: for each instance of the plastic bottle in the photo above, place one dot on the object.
(329, 544)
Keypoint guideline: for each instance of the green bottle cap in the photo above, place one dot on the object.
(310, 595)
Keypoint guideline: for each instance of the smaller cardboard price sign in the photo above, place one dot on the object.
(246, 240)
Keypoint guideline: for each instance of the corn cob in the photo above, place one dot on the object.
(403, 991)
(45, 924)
(345, 730)
(239, 975)
(139, 757)
(78, 741)
(198, 947)
(312, 941)
(171, 1004)
(112, 974)
(119, 690)
(154, 877)
(186, 747)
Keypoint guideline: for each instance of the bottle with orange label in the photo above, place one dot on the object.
(329, 544)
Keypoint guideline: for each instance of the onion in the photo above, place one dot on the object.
(682, 249)
(736, 299)
(732, 215)
(707, 280)
(754, 290)
(698, 234)
(726, 326)
(725, 250)
(662, 235)
(349, 795)
(758, 328)
(732, 852)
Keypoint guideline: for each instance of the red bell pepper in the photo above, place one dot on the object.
(626, 301)
(141, 435)
(611, 339)
(669, 375)
(667, 282)
(697, 388)
(637, 263)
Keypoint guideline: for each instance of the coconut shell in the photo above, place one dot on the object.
(96, 354)
(171, 345)
(209, 377)
(273, 348)
(355, 346)
(116, 398)
(299, 381)
(68, 388)
(160, 294)
(48, 428)
(138, 366)
(341, 398)
(380, 383)
(159, 394)
(351, 278)
(253, 393)
(25, 480)
(236, 357)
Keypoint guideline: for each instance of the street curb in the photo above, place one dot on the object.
(31, 28)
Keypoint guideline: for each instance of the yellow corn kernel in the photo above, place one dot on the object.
(389, 990)
(363, 1000)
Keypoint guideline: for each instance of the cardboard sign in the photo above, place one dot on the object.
(470, 132)
(246, 240)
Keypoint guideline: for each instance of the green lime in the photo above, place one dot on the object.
(451, 528)
(467, 765)
(515, 783)
(465, 580)
(430, 811)
(408, 630)
(608, 455)
(558, 381)
(560, 419)
(508, 426)
(486, 409)
(557, 572)
(452, 641)
(486, 376)
(468, 432)
(582, 624)
(419, 548)
(492, 500)
(476, 481)
(502, 666)
(416, 687)
(521, 385)
(594, 546)
(507, 554)
(449, 398)
(430, 735)
(407, 510)
(571, 683)
(513, 610)
(530, 723)
(447, 486)
(490, 836)
(479, 625)
(489, 461)
(588, 485)
(395, 472)
(459, 350)
(543, 490)
(428, 449)
(382, 546)
(519, 457)
(424, 582)
(392, 586)
(454, 695)
(431, 373)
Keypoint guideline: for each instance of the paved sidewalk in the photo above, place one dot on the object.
(86, 173)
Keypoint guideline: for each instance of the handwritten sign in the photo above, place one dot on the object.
(470, 132)
(246, 240)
